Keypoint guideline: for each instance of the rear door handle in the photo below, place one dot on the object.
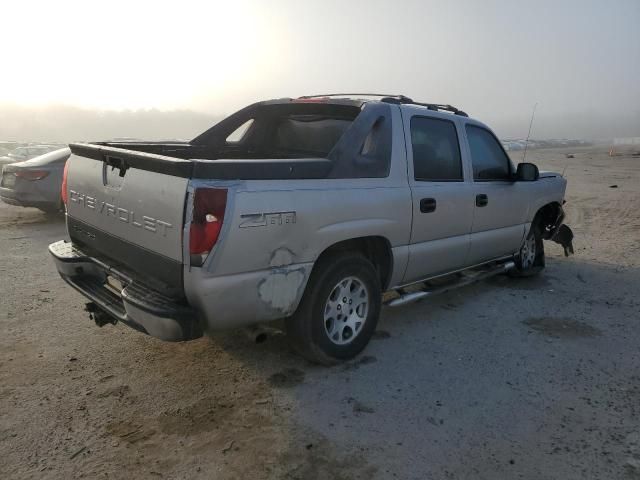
(482, 200)
(427, 205)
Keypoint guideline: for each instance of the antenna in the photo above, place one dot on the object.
(526, 142)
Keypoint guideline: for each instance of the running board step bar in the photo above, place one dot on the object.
(466, 278)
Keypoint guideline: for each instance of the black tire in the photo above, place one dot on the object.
(310, 333)
(526, 266)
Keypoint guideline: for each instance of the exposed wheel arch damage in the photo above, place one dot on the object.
(282, 288)
(550, 218)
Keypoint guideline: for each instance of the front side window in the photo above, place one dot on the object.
(436, 152)
(487, 156)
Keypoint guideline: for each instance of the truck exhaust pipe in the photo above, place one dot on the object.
(260, 333)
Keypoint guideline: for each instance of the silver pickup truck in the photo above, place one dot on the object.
(316, 210)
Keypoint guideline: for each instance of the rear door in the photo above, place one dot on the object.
(129, 206)
(442, 196)
(499, 204)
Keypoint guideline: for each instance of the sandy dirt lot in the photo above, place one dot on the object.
(535, 378)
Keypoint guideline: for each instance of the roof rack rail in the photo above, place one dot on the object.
(395, 99)
(353, 95)
(401, 99)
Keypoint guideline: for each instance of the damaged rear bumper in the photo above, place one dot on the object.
(133, 304)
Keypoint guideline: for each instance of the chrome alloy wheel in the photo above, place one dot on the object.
(528, 252)
(346, 310)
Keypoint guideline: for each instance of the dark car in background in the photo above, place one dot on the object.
(26, 152)
(36, 182)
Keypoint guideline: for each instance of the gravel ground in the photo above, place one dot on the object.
(532, 378)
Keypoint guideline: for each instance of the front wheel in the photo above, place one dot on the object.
(530, 259)
(339, 310)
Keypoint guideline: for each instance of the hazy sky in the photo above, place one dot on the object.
(494, 59)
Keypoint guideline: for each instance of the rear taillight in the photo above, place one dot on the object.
(31, 175)
(63, 190)
(208, 214)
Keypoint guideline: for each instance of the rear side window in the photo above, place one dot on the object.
(374, 141)
(487, 156)
(436, 151)
(364, 151)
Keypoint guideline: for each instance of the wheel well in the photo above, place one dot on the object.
(375, 249)
(547, 215)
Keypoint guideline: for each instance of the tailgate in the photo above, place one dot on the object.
(129, 206)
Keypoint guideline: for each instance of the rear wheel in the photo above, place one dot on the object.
(530, 259)
(339, 310)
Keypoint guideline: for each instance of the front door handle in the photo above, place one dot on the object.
(427, 205)
(482, 200)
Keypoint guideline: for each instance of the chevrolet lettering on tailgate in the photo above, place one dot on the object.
(122, 214)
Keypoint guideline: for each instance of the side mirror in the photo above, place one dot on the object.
(527, 172)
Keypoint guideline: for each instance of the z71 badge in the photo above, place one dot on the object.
(266, 219)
